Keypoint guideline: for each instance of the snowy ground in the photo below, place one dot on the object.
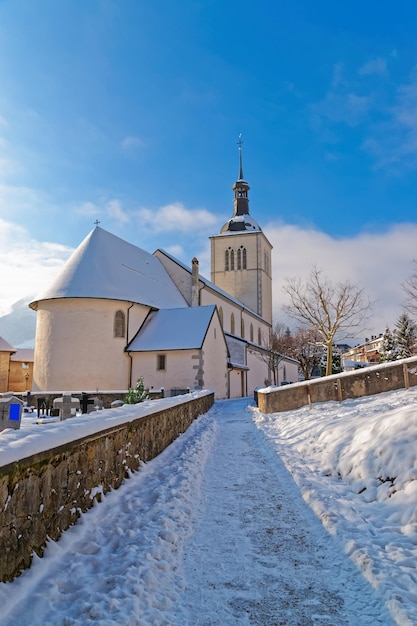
(215, 532)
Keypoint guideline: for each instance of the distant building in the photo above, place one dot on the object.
(6, 351)
(16, 368)
(117, 313)
(362, 355)
(21, 370)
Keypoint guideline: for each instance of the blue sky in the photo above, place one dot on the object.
(129, 113)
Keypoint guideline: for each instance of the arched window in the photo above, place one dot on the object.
(242, 328)
(119, 324)
(226, 261)
(251, 332)
(241, 258)
(221, 314)
(259, 337)
(232, 324)
(232, 259)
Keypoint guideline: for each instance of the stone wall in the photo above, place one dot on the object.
(41, 496)
(364, 382)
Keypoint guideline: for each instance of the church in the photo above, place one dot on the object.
(117, 313)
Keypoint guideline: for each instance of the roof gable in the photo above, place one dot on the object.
(220, 292)
(173, 329)
(5, 346)
(105, 266)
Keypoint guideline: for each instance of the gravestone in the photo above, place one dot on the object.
(96, 405)
(65, 405)
(43, 406)
(10, 411)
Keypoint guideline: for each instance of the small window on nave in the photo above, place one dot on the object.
(259, 337)
(119, 324)
(232, 324)
(221, 315)
(242, 328)
(251, 332)
(227, 260)
(232, 260)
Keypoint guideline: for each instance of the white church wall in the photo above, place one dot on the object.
(287, 371)
(209, 296)
(258, 370)
(178, 372)
(214, 360)
(194, 369)
(75, 345)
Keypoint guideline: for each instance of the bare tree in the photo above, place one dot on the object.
(304, 345)
(270, 355)
(308, 350)
(281, 339)
(410, 288)
(339, 309)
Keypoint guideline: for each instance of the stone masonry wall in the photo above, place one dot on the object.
(364, 382)
(41, 496)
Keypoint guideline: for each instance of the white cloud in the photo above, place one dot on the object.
(27, 266)
(88, 209)
(347, 108)
(176, 217)
(374, 66)
(131, 143)
(116, 212)
(15, 200)
(378, 262)
(175, 250)
(393, 142)
(103, 208)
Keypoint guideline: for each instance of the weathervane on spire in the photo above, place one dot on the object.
(96, 223)
(239, 143)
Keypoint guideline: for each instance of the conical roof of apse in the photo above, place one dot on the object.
(107, 267)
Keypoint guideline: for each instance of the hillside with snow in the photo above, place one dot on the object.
(18, 325)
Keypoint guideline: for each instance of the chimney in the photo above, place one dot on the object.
(194, 283)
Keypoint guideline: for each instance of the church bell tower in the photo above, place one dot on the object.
(241, 254)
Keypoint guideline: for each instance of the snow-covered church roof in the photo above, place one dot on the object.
(105, 266)
(173, 329)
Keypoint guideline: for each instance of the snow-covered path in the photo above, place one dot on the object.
(258, 554)
(212, 532)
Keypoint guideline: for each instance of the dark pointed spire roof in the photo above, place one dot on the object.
(240, 158)
(241, 220)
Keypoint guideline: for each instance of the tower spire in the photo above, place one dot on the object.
(241, 187)
(240, 142)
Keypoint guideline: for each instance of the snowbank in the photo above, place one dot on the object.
(356, 465)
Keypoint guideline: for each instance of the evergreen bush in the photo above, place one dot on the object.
(138, 394)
